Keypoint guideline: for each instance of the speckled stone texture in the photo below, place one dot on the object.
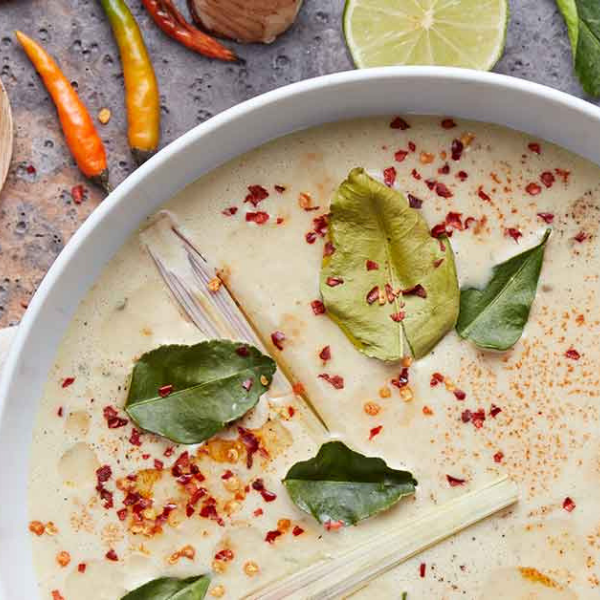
(37, 214)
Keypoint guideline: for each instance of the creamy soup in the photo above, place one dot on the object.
(465, 417)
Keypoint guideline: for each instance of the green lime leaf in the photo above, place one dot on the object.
(189, 393)
(171, 588)
(340, 485)
(494, 317)
(383, 252)
(583, 24)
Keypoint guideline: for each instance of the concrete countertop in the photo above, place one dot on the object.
(37, 215)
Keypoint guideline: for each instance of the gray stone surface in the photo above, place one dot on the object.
(36, 211)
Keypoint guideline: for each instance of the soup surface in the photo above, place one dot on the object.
(531, 412)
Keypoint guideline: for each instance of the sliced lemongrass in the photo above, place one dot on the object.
(343, 575)
(187, 274)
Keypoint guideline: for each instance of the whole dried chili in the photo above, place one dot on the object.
(173, 24)
(77, 124)
(141, 88)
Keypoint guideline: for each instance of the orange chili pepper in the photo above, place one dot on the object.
(77, 125)
(141, 88)
(172, 22)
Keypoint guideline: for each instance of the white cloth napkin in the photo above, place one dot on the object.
(6, 337)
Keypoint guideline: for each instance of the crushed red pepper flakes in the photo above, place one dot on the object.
(371, 265)
(477, 418)
(466, 416)
(334, 281)
(260, 218)
(444, 170)
(298, 388)
(280, 189)
(412, 146)
(399, 123)
(31, 169)
(389, 176)
(291, 411)
(442, 190)
(416, 175)
(439, 230)
(134, 438)
(247, 384)
(422, 570)
(581, 237)
(448, 123)
(373, 295)
(400, 155)
(56, 595)
(548, 179)
(333, 525)
(416, 290)
(427, 411)
(375, 431)
(165, 390)
(251, 443)
(430, 183)
(59, 412)
(457, 149)
(563, 174)
(67, 381)
(535, 147)
(272, 536)
(325, 354)
(259, 486)
(227, 475)
(568, 504)
(436, 378)
(462, 175)
(498, 456)
(81, 567)
(78, 193)
(546, 217)
(533, 189)
(437, 263)
(112, 418)
(258, 512)
(318, 307)
(572, 354)
(455, 481)
(495, 411)
(112, 555)
(460, 395)
(103, 473)
(514, 233)
(414, 202)
(328, 249)
(278, 337)
(485, 197)
(169, 451)
(335, 380)
(397, 317)
(158, 464)
(297, 531)
(257, 193)
(225, 555)
(229, 212)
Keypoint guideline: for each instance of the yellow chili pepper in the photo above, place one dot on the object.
(141, 88)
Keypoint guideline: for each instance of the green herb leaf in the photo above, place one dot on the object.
(171, 588)
(371, 222)
(213, 383)
(583, 24)
(495, 316)
(342, 485)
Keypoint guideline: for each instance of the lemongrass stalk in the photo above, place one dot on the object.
(343, 575)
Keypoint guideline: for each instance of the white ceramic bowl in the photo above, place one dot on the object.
(537, 110)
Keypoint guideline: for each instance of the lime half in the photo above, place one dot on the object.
(452, 33)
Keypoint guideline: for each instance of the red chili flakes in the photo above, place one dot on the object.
(546, 217)
(412, 146)
(67, 381)
(572, 354)
(242, 351)
(437, 263)
(455, 481)
(272, 536)
(159, 465)
(389, 176)
(112, 418)
(134, 438)
(533, 189)
(400, 155)
(444, 170)
(375, 431)
(334, 281)
(581, 237)
(318, 307)
(563, 174)
(454, 220)
(414, 202)
(397, 317)
(372, 265)
(439, 230)
(568, 504)
(448, 123)
(258, 512)
(280, 189)
(466, 416)
(514, 233)
(81, 567)
(436, 379)
(298, 388)
(399, 123)
(320, 225)
(427, 411)
(325, 354)
(59, 412)
(227, 475)
(169, 451)
(165, 390)
(477, 418)
(495, 411)
(372, 295)
(389, 293)
(460, 395)
(422, 570)
(416, 175)
(483, 195)
(417, 290)
(30, 169)
(257, 194)
(462, 175)
(328, 249)
(498, 456)
(247, 384)
(229, 212)
(56, 595)
(279, 220)
(548, 179)
(251, 444)
(297, 531)
(291, 411)
(430, 183)
(78, 193)
(335, 380)
(442, 190)
(457, 149)
(278, 337)
(305, 202)
(333, 525)
(259, 486)
(225, 555)
(535, 147)
(112, 555)
(103, 473)
(260, 218)
(402, 380)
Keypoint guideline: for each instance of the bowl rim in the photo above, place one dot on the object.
(533, 108)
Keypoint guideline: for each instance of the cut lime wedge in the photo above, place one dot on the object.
(457, 33)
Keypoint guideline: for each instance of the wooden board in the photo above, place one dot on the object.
(6, 135)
